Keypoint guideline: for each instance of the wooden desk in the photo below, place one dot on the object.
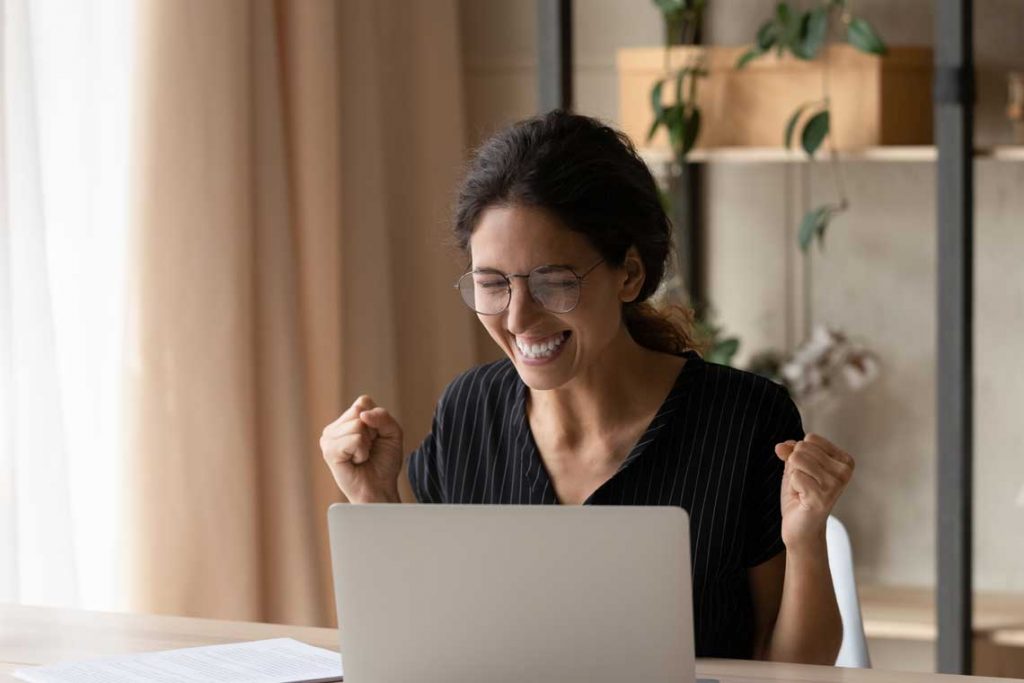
(901, 628)
(38, 635)
(909, 613)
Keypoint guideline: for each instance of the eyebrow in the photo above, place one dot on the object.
(488, 269)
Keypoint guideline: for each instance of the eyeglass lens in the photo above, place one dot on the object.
(555, 288)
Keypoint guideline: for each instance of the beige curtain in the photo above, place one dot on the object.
(295, 165)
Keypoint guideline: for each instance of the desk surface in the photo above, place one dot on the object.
(39, 635)
(909, 614)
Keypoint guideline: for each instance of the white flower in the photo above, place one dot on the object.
(826, 363)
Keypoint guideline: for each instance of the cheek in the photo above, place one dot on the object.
(601, 314)
(596, 326)
(493, 325)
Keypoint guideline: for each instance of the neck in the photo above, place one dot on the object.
(612, 392)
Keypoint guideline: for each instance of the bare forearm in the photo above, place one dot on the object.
(808, 628)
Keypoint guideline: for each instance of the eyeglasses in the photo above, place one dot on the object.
(556, 288)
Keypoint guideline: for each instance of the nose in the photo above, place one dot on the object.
(522, 309)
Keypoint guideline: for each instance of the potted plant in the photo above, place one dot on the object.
(678, 95)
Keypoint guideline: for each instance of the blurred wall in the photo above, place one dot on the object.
(876, 278)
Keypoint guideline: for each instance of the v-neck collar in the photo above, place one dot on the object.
(533, 469)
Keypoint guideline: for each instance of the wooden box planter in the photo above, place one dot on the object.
(875, 100)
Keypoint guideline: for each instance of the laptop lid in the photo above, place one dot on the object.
(503, 594)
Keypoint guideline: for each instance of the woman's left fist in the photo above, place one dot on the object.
(816, 473)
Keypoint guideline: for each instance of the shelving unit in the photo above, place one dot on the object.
(953, 98)
(888, 154)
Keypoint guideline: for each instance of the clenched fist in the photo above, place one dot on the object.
(817, 471)
(364, 450)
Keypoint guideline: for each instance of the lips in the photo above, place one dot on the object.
(537, 348)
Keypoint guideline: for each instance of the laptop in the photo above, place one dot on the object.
(508, 594)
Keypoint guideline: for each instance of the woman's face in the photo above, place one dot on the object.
(550, 349)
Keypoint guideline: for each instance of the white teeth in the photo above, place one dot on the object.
(540, 350)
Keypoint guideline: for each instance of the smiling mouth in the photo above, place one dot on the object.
(543, 348)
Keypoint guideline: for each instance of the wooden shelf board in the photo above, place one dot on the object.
(888, 154)
(901, 613)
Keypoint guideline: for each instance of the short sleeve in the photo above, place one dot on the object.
(424, 467)
(762, 511)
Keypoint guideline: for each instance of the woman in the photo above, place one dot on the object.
(603, 401)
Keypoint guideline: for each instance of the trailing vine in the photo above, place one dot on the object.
(804, 35)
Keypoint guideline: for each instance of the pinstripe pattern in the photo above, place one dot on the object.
(709, 449)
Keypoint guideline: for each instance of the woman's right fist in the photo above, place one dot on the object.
(363, 448)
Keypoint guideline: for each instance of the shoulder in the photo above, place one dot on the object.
(732, 387)
(744, 379)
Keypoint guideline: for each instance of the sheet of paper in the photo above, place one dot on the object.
(281, 660)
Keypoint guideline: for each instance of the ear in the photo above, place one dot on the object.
(635, 275)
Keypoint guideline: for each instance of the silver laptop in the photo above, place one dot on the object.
(503, 594)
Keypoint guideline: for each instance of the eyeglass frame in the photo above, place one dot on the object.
(508, 283)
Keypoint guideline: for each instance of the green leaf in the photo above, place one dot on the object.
(654, 128)
(674, 123)
(812, 34)
(860, 34)
(766, 36)
(797, 48)
(679, 84)
(806, 233)
(724, 350)
(749, 56)
(657, 108)
(691, 130)
(788, 24)
(783, 14)
(791, 125)
(813, 225)
(669, 6)
(683, 128)
(814, 132)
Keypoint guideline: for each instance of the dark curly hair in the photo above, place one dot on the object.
(589, 176)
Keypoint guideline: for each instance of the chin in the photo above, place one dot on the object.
(547, 376)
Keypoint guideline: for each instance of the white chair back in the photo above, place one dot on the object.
(854, 650)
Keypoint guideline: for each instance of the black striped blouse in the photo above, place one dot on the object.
(709, 449)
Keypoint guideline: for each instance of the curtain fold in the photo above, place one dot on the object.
(295, 163)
